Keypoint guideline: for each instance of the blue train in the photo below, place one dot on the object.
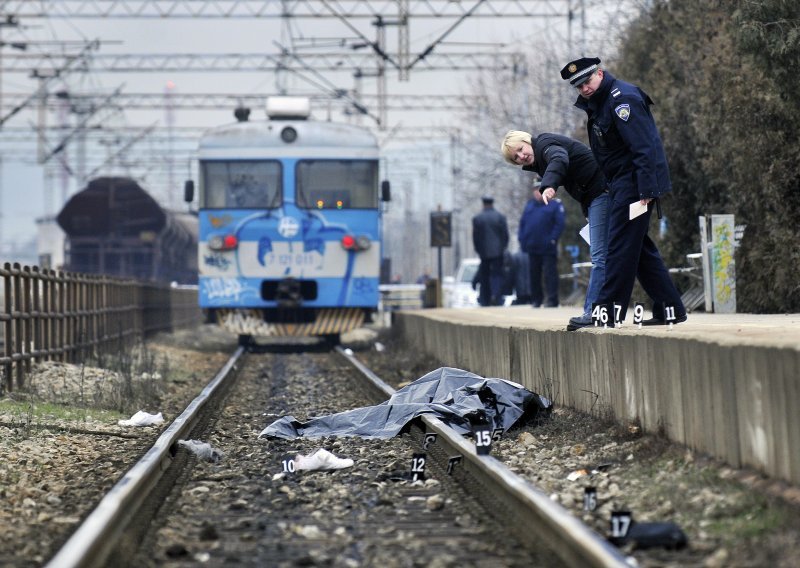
(289, 223)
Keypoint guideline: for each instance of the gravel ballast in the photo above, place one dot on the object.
(61, 452)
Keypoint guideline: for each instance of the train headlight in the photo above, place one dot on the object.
(288, 134)
(222, 242)
(363, 242)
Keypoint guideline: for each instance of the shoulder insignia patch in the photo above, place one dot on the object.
(615, 93)
(623, 111)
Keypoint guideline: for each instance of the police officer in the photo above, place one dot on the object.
(490, 237)
(562, 161)
(627, 146)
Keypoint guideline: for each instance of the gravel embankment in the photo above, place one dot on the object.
(730, 517)
(61, 453)
(62, 447)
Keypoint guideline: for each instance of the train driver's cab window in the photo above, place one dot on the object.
(241, 184)
(337, 184)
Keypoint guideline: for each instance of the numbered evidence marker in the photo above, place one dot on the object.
(483, 439)
(452, 463)
(638, 314)
(600, 314)
(497, 433)
(418, 467)
(617, 311)
(589, 499)
(621, 522)
(287, 464)
(669, 315)
(428, 440)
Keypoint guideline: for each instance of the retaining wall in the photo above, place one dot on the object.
(739, 403)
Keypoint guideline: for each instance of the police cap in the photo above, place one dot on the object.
(488, 199)
(578, 72)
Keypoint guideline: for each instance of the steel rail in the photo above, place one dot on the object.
(94, 540)
(537, 514)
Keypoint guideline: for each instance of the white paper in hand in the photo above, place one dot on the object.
(585, 234)
(635, 209)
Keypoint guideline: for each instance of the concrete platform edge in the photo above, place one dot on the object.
(737, 403)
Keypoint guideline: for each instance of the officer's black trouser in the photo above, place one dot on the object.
(632, 254)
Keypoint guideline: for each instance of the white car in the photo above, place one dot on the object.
(457, 291)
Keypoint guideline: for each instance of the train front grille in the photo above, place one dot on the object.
(284, 322)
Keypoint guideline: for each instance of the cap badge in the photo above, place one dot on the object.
(623, 111)
(573, 68)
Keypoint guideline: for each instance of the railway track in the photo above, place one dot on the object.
(173, 508)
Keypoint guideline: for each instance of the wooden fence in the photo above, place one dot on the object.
(65, 316)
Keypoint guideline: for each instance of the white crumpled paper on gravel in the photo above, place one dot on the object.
(322, 459)
(142, 418)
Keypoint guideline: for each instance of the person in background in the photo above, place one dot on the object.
(626, 144)
(562, 161)
(540, 227)
(490, 238)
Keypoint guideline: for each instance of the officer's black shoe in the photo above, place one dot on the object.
(658, 321)
(578, 322)
(582, 321)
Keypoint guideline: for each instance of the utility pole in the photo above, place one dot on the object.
(64, 103)
(11, 21)
(403, 43)
(170, 120)
(381, 41)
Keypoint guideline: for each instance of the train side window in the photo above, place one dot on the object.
(241, 184)
(337, 184)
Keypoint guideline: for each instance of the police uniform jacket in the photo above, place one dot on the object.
(625, 141)
(540, 226)
(490, 233)
(562, 161)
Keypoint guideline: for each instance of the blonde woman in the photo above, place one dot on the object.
(562, 161)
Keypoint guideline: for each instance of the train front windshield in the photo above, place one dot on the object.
(241, 184)
(337, 184)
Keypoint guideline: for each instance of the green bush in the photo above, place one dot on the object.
(723, 75)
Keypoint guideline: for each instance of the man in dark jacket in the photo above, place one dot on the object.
(490, 237)
(540, 227)
(627, 146)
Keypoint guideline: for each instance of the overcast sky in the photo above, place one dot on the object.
(26, 196)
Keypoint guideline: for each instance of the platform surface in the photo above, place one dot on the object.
(772, 330)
